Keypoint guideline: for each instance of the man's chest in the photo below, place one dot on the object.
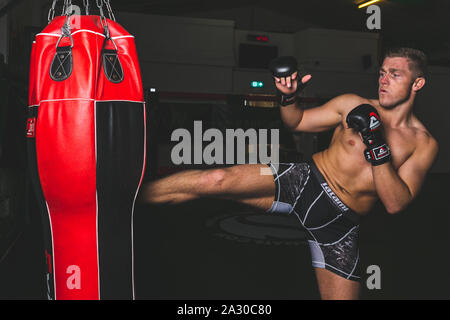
(401, 142)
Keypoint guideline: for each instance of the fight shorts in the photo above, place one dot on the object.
(331, 226)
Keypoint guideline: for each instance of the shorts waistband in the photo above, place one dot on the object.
(334, 199)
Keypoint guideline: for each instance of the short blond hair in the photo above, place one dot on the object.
(417, 60)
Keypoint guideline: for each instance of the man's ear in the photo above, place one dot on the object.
(418, 84)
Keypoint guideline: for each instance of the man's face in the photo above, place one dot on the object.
(394, 83)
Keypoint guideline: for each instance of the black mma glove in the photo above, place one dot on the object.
(282, 67)
(366, 120)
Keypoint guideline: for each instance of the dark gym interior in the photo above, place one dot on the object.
(217, 249)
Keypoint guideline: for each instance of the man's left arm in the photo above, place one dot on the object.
(397, 189)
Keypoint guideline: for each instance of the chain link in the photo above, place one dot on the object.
(102, 14)
(64, 8)
(51, 12)
(104, 22)
(65, 30)
(86, 6)
(68, 4)
(110, 11)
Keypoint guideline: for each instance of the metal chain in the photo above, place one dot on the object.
(110, 11)
(86, 6)
(100, 8)
(64, 8)
(51, 12)
(102, 14)
(65, 30)
(68, 4)
(104, 23)
(67, 11)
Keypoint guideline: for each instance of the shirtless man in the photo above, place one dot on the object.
(379, 151)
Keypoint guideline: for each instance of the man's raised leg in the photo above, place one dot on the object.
(248, 183)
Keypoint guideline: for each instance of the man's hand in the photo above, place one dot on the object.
(366, 120)
(285, 73)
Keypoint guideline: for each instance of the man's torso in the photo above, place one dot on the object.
(345, 168)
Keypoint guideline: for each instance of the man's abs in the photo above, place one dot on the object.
(347, 172)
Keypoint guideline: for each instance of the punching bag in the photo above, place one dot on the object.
(86, 146)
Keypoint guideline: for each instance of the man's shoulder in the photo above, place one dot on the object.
(425, 144)
(348, 101)
(423, 136)
(425, 139)
(353, 98)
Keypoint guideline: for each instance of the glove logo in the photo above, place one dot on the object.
(381, 152)
(374, 121)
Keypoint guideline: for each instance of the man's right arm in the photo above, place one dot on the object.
(322, 118)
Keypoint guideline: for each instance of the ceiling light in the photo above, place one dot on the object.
(368, 3)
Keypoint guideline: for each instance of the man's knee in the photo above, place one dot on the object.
(215, 180)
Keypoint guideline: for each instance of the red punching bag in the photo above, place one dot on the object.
(86, 145)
